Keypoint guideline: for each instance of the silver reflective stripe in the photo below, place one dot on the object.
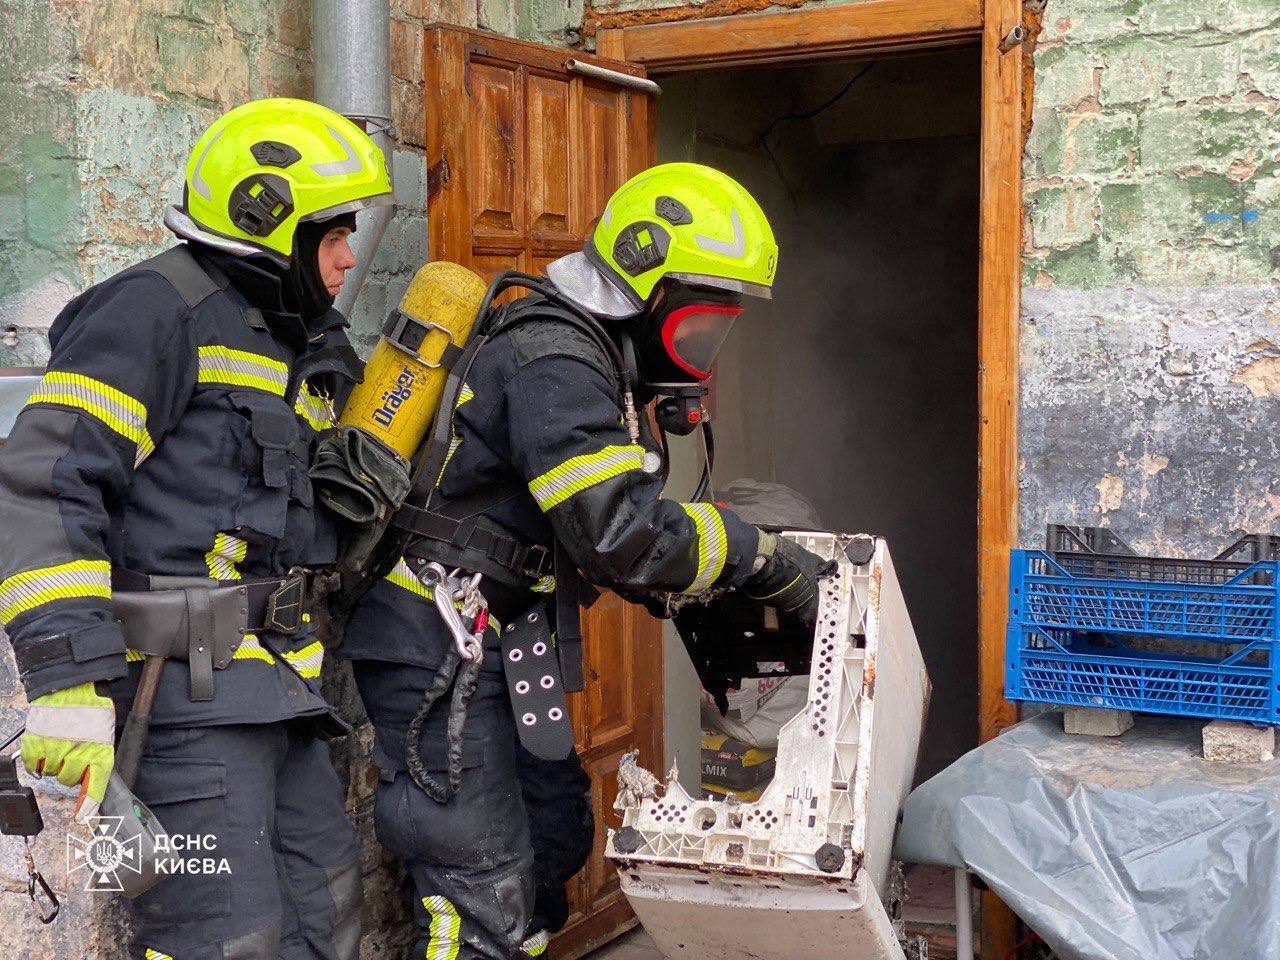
(197, 181)
(222, 560)
(348, 164)
(583, 472)
(84, 724)
(536, 945)
(67, 581)
(308, 660)
(313, 408)
(240, 368)
(403, 577)
(445, 930)
(713, 545)
(735, 248)
(113, 408)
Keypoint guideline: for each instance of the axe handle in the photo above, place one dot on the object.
(137, 725)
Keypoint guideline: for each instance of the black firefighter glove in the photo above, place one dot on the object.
(786, 578)
(358, 476)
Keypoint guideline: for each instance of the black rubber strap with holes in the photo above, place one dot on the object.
(535, 685)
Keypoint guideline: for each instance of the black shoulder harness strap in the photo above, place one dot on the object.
(188, 276)
(452, 529)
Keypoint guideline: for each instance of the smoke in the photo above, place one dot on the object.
(857, 383)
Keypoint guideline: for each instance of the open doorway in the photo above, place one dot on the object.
(858, 384)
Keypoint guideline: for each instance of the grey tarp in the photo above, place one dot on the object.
(1127, 848)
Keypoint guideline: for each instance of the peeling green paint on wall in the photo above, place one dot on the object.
(1155, 148)
(39, 198)
(1152, 266)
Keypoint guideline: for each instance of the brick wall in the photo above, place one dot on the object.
(1149, 387)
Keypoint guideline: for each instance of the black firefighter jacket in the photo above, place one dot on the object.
(160, 441)
(541, 407)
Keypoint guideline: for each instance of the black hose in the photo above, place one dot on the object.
(464, 686)
(587, 323)
(708, 463)
(16, 734)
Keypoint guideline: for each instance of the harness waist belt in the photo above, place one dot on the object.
(531, 561)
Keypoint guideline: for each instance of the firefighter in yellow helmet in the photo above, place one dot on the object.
(155, 502)
(547, 478)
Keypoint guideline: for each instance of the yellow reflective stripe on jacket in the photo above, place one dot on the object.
(713, 545)
(308, 660)
(314, 409)
(114, 409)
(583, 472)
(444, 933)
(221, 560)
(251, 648)
(465, 394)
(536, 945)
(402, 577)
(229, 367)
(33, 588)
(157, 955)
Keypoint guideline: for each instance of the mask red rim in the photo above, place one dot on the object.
(673, 320)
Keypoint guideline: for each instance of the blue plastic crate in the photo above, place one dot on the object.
(1092, 670)
(1242, 609)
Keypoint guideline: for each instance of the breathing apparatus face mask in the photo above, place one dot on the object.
(681, 334)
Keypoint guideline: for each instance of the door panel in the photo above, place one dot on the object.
(599, 909)
(495, 157)
(524, 154)
(611, 669)
(603, 129)
(550, 165)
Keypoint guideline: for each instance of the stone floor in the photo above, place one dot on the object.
(633, 945)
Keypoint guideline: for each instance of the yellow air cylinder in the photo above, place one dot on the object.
(403, 379)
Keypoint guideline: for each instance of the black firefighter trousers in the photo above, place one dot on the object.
(265, 863)
(488, 867)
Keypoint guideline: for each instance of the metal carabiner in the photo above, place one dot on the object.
(38, 890)
(443, 592)
(476, 609)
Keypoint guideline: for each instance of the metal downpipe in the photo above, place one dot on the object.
(351, 50)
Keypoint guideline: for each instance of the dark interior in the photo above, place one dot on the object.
(857, 383)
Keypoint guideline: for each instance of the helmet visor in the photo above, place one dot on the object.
(693, 335)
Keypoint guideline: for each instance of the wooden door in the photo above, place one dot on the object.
(522, 154)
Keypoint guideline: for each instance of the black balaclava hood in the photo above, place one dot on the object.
(304, 290)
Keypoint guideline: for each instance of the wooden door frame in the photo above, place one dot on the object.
(887, 26)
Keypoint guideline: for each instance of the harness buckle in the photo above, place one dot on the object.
(285, 605)
(536, 561)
